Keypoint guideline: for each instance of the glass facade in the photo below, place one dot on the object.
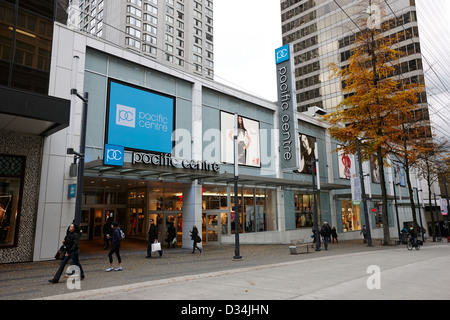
(323, 31)
(26, 34)
(163, 202)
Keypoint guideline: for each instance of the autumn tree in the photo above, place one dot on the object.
(411, 142)
(430, 166)
(375, 103)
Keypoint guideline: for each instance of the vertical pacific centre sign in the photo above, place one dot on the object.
(286, 108)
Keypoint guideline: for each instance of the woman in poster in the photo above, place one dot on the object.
(243, 140)
(306, 152)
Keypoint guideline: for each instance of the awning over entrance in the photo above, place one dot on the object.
(29, 113)
(139, 171)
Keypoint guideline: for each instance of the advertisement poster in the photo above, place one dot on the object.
(307, 146)
(345, 165)
(248, 140)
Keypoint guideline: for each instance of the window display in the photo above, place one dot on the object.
(351, 216)
(11, 171)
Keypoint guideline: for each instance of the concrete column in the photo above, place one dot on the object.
(192, 211)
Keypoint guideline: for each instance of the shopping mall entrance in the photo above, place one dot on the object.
(94, 217)
(132, 203)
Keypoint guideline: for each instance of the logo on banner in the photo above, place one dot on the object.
(282, 54)
(125, 116)
(114, 155)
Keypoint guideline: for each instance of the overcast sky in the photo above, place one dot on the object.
(247, 32)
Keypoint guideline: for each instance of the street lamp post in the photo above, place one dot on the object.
(316, 216)
(237, 255)
(80, 155)
(363, 194)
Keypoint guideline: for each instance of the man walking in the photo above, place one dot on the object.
(325, 232)
(152, 238)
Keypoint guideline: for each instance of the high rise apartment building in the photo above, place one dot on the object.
(178, 33)
(323, 31)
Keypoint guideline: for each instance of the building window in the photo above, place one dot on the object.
(304, 206)
(351, 216)
(11, 184)
(257, 210)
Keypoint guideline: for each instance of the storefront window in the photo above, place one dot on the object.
(257, 208)
(351, 216)
(11, 171)
(378, 212)
(165, 199)
(214, 198)
(304, 206)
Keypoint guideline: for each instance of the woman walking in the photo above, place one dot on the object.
(196, 238)
(115, 244)
(71, 247)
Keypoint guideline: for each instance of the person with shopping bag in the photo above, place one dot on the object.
(153, 244)
(196, 238)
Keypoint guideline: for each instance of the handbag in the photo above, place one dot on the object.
(156, 246)
(60, 255)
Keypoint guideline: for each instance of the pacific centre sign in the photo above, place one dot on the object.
(166, 160)
(286, 107)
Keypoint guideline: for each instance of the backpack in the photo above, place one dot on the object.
(122, 235)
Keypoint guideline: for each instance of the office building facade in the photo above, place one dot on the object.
(28, 114)
(176, 33)
(322, 32)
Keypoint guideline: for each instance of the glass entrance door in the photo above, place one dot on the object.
(212, 232)
(175, 219)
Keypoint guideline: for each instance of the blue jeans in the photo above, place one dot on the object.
(72, 256)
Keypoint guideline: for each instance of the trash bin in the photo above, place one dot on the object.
(404, 238)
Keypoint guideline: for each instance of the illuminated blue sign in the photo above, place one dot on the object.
(113, 155)
(72, 191)
(140, 119)
(282, 54)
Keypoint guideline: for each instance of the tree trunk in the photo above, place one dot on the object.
(387, 236)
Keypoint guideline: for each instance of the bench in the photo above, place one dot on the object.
(297, 244)
(392, 242)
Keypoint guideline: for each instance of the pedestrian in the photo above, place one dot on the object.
(334, 235)
(152, 238)
(116, 239)
(71, 247)
(364, 233)
(107, 230)
(171, 234)
(325, 232)
(196, 238)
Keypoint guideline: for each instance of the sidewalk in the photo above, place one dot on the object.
(30, 280)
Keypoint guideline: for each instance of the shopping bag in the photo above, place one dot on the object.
(156, 246)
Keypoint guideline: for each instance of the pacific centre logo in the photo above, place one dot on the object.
(126, 116)
(282, 54)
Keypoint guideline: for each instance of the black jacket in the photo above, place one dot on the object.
(195, 236)
(152, 233)
(71, 242)
(325, 230)
(115, 237)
